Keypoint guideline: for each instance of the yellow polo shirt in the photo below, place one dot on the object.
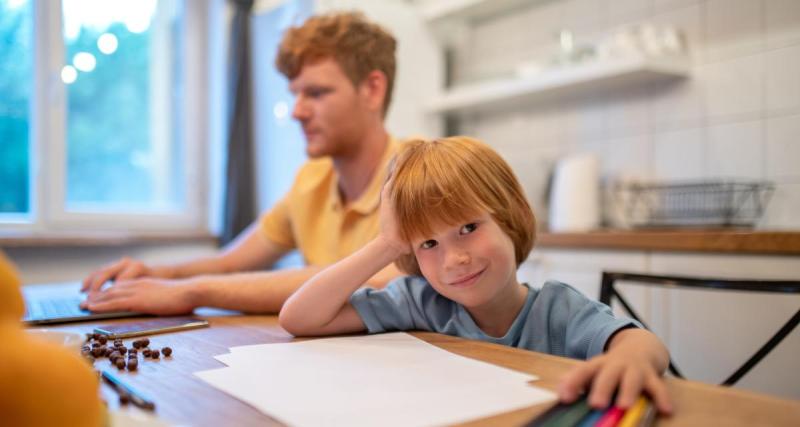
(312, 219)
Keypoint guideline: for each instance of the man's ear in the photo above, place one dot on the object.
(373, 90)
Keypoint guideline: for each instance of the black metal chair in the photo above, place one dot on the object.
(609, 292)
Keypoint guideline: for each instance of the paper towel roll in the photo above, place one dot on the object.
(575, 195)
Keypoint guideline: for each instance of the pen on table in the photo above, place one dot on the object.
(137, 398)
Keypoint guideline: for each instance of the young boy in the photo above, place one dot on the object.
(455, 217)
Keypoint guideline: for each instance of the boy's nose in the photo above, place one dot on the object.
(457, 257)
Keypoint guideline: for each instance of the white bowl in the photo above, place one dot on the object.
(70, 340)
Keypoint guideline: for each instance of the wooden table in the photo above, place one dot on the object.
(183, 398)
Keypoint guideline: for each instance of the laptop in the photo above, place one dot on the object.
(60, 303)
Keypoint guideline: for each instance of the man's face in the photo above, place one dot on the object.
(329, 108)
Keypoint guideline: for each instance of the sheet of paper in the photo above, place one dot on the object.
(387, 379)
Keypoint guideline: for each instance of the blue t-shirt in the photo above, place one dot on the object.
(556, 319)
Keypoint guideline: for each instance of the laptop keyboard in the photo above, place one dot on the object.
(55, 308)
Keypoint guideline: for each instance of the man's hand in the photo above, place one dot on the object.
(630, 368)
(124, 269)
(147, 295)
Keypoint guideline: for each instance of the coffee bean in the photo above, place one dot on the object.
(167, 351)
(155, 354)
(120, 363)
(103, 339)
(99, 351)
(133, 364)
(96, 336)
(146, 352)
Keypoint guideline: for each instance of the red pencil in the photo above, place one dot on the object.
(611, 417)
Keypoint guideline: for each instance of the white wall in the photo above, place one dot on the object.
(738, 115)
(59, 264)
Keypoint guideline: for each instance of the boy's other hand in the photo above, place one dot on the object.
(624, 369)
(390, 231)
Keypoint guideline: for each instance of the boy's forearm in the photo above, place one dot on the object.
(322, 297)
(643, 342)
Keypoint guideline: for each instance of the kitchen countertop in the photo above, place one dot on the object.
(735, 241)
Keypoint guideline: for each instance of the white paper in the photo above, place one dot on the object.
(388, 380)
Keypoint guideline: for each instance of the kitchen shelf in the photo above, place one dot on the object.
(593, 76)
(443, 10)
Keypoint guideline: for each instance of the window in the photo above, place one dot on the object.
(93, 111)
(16, 61)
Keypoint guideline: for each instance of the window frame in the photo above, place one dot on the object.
(47, 141)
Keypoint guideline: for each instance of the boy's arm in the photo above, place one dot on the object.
(321, 306)
(633, 364)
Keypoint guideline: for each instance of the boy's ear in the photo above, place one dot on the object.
(373, 89)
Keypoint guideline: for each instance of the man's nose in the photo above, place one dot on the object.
(300, 111)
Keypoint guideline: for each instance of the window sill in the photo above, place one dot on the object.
(13, 239)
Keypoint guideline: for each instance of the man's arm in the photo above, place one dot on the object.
(249, 251)
(255, 292)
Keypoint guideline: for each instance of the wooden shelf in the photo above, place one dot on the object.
(721, 241)
(598, 75)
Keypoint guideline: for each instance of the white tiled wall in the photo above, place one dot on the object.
(737, 116)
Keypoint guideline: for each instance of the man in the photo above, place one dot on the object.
(341, 69)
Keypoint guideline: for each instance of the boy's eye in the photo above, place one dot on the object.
(428, 244)
(468, 228)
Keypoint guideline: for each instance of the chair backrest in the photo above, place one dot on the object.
(608, 292)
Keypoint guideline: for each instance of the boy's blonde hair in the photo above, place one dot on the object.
(450, 181)
(356, 44)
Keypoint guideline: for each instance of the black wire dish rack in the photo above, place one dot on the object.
(720, 203)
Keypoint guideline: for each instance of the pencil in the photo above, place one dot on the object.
(121, 388)
(634, 413)
(611, 417)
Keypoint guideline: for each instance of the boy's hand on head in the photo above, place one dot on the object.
(625, 369)
(390, 231)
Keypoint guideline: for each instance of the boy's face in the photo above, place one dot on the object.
(329, 108)
(472, 263)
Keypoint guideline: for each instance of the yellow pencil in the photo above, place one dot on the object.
(634, 413)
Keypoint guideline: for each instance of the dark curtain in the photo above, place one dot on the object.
(239, 209)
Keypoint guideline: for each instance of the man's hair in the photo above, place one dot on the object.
(356, 44)
(450, 181)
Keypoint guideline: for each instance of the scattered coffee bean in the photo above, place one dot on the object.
(120, 363)
(133, 364)
(96, 336)
(155, 354)
(146, 352)
(99, 351)
(103, 339)
(167, 351)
